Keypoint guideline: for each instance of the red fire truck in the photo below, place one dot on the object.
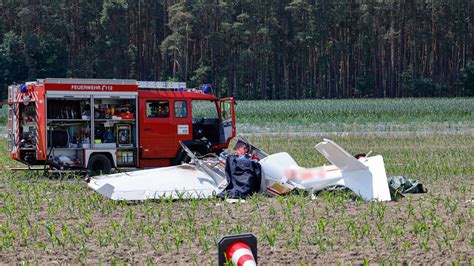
(97, 124)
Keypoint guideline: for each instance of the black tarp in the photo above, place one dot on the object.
(243, 176)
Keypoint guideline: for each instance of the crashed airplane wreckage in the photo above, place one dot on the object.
(205, 177)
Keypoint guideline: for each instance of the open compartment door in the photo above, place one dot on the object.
(227, 116)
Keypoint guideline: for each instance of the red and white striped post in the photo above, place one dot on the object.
(241, 250)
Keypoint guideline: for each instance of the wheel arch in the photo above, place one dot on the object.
(109, 154)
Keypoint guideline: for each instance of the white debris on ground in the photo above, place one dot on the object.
(281, 174)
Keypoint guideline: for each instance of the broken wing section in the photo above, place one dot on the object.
(178, 182)
(274, 169)
(365, 177)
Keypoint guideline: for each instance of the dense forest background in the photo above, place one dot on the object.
(251, 49)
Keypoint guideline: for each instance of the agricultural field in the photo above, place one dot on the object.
(49, 221)
(354, 116)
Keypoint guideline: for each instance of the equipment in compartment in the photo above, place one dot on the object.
(28, 114)
(58, 138)
(28, 140)
(65, 158)
(66, 109)
(108, 136)
(85, 111)
(28, 127)
(125, 157)
(104, 136)
(107, 113)
(113, 109)
(124, 135)
(69, 135)
(64, 129)
(61, 124)
(28, 156)
(84, 138)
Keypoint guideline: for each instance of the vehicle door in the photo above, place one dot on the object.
(227, 117)
(157, 130)
(182, 121)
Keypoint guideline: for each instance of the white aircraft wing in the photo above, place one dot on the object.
(179, 182)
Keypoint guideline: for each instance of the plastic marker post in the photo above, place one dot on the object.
(241, 250)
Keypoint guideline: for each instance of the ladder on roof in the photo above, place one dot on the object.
(152, 85)
(141, 84)
(161, 85)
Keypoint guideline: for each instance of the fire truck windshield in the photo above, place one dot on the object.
(204, 109)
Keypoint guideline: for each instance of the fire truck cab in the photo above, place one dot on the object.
(97, 125)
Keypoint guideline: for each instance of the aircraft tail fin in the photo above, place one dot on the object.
(367, 179)
(339, 157)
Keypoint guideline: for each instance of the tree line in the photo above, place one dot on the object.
(250, 49)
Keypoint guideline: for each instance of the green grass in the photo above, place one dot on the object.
(49, 221)
(356, 115)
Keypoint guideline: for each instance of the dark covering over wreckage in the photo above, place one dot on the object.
(243, 176)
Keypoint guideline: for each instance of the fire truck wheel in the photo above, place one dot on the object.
(98, 164)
